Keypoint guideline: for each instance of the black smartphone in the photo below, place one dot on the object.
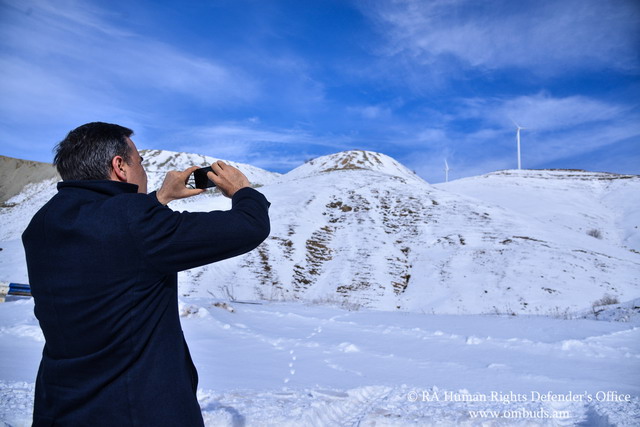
(201, 179)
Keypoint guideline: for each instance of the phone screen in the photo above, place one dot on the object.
(201, 179)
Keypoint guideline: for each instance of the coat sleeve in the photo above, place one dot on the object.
(174, 241)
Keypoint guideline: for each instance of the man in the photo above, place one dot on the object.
(103, 258)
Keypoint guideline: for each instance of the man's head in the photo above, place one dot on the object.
(97, 151)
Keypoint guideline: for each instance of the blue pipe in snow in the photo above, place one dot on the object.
(21, 289)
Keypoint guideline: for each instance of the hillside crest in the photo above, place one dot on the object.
(353, 160)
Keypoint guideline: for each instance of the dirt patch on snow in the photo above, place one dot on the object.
(16, 173)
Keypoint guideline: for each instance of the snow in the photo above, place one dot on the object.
(576, 200)
(380, 299)
(297, 364)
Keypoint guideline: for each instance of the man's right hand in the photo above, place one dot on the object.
(227, 178)
(174, 186)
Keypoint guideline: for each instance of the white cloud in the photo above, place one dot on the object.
(582, 140)
(545, 37)
(431, 135)
(78, 44)
(542, 111)
(241, 133)
(547, 113)
(371, 112)
(30, 91)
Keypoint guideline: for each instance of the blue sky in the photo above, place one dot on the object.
(275, 83)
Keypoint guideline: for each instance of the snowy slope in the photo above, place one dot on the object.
(606, 203)
(16, 212)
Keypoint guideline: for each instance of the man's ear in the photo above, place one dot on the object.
(117, 165)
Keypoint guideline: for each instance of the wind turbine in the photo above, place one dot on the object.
(446, 171)
(519, 128)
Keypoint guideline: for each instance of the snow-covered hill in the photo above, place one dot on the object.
(353, 160)
(602, 204)
(158, 162)
(358, 228)
(367, 237)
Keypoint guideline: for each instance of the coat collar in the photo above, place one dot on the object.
(106, 187)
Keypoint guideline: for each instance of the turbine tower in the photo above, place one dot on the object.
(519, 128)
(446, 171)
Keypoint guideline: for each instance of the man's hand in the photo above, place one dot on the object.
(174, 186)
(227, 178)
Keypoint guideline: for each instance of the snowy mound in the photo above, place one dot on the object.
(158, 162)
(353, 160)
(602, 205)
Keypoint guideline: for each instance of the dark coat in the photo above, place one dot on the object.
(103, 263)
